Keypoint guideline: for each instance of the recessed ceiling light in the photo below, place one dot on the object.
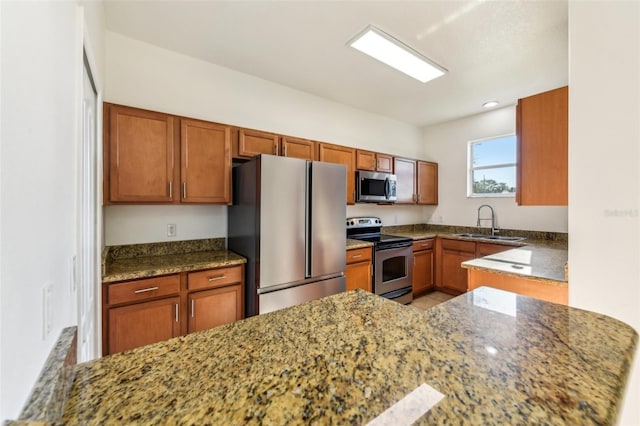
(383, 47)
(490, 104)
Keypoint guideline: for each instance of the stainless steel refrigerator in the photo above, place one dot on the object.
(288, 220)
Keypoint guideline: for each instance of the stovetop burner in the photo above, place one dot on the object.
(369, 229)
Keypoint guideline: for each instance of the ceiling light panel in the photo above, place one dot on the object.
(490, 104)
(383, 47)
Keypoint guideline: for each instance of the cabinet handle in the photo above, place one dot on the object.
(184, 190)
(284, 150)
(176, 312)
(355, 256)
(193, 308)
(275, 149)
(170, 189)
(216, 278)
(144, 290)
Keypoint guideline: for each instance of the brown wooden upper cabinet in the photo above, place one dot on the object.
(427, 182)
(341, 155)
(255, 142)
(205, 162)
(405, 171)
(140, 149)
(373, 161)
(298, 148)
(151, 157)
(542, 159)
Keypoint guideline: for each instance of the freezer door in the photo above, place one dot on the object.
(296, 295)
(282, 220)
(327, 236)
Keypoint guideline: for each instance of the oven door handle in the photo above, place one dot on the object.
(387, 188)
(397, 293)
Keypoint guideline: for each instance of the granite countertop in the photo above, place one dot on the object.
(536, 258)
(496, 357)
(356, 244)
(536, 262)
(150, 266)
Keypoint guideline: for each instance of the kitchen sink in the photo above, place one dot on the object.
(490, 237)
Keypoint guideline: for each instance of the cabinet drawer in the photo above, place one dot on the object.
(358, 255)
(423, 245)
(148, 288)
(486, 249)
(458, 245)
(212, 278)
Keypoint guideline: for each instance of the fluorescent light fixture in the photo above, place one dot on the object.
(490, 104)
(381, 46)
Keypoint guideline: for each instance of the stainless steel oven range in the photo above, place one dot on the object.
(392, 258)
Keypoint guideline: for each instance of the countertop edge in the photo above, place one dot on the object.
(173, 269)
(545, 280)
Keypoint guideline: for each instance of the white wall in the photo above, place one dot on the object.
(150, 223)
(447, 144)
(604, 155)
(41, 64)
(146, 76)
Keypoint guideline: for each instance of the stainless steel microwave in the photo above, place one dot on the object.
(372, 187)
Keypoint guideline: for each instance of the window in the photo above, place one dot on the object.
(492, 167)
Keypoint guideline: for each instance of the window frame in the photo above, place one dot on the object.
(471, 169)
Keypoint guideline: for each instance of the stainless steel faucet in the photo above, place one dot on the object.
(494, 230)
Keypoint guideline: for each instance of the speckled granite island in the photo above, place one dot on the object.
(497, 358)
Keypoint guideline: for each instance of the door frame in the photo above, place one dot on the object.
(86, 57)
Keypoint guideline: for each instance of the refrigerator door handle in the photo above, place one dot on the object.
(307, 216)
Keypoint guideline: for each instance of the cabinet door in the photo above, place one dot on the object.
(422, 271)
(141, 155)
(298, 148)
(142, 324)
(341, 155)
(205, 162)
(365, 160)
(211, 308)
(427, 182)
(405, 171)
(254, 142)
(358, 275)
(384, 163)
(454, 276)
(542, 154)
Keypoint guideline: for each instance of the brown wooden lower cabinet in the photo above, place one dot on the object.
(211, 308)
(423, 259)
(140, 312)
(143, 323)
(453, 276)
(359, 269)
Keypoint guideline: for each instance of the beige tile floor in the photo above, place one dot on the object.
(430, 299)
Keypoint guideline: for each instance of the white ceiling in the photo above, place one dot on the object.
(494, 50)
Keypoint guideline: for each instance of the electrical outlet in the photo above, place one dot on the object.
(47, 310)
(172, 230)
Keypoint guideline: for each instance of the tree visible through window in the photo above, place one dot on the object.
(492, 167)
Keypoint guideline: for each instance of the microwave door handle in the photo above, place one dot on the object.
(387, 188)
